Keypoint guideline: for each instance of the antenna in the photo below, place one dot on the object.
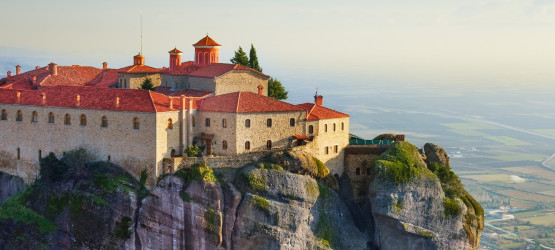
(141, 34)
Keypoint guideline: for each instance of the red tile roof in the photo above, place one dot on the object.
(207, 41)
(245, 102)
(175, 50)
(317, 112)
(184, 69)
(90, 98)
(66, 76)
(218, 69)
(139, 69)
(186, 92)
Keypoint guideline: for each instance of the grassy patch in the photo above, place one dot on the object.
(185, 197)
(324, 230)
(398, 205)
(399, 164)
(311, 188)
(123, 228)
(197, 171)
(212, 220)
(322, 170)
(14, 208)
(262, 204)
(110, 183)
(270, 166)
(325, 191)
(451, 206)
(256, 183)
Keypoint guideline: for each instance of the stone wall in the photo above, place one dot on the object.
(217, 129)
(221, 161)
(359, 165)
(235, 81)
(174, 81)
(202, 83)
(134, 81)
(330, 138)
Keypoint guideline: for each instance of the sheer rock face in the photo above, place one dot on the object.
(9, 185)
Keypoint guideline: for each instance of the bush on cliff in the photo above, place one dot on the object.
(399, 163)
(198, 171)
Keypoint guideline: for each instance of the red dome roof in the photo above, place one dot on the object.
(207, 41)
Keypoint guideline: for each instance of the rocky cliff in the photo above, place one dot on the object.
(286, 201)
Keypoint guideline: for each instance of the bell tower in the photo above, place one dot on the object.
(207, 51)
(175, 59)
(139, 59)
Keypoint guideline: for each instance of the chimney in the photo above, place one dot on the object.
(104, 65)
(43, 98)
(18, 97)
(171, 103)
(34, 79)
(260, 89)
(17, 70)
(117, 102)
(53, 68)
(318, 99)
(9, 74)
(77, 101)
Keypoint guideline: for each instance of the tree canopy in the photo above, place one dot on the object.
(276, 90)
(240, 57)
(253, 59)
(147, 84)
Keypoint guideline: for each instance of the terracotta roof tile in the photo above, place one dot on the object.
(90, 98)
(139, 69)
(207, 41)
(218, 69)
(245, 102)
(186, 92)
(317, 112)
(67, 76)
(175, 50)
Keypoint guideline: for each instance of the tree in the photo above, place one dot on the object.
(240, 57)
(276, 90)
(253, 59)
(147, 84)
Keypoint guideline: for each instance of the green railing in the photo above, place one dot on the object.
(356, 141)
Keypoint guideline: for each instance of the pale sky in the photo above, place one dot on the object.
(505, 42)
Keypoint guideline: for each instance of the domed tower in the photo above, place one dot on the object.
(207, 51)
(139, 59)
(175, 59)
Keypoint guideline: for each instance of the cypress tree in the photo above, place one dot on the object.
(240, 57)
(253, 60)
(147, 84)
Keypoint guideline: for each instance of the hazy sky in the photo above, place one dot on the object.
(414, 42)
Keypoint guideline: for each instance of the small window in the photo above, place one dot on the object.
(342, 126)
(170, 123)
(327, 149)
(104, 123)
(336, 148)
(269, 122)
(334, 127)
(207, 122)
(310, 129)
(368, 171)
(35, 116)
(19, 116)
(109, 157)
(40, 154)
(4, 115)
(67, 120)
(51, 117)
(136, 124)
(357, 171)
(292, 122)
(224, 145)
(247, 123)
(268, 144)
(224, 123)
(83, 120)
(18, 153)
(193, 120)
(325, 128)
(247, 145)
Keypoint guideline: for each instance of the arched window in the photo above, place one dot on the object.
(292, 122)
(224, 123)
(268, 144)
(269, 122)
(368, 171)
(334, 127)
(335, 148)
(136, 124)
(19, 116)
(170, 123)
(357, 171)
(224, 145)
(83, 120)
(67, 120)
(247, 145)
(4, 114)
(51, 117)
(247, 123)
(193, 120)
(207, 122)
(325, 128)
(35, 116)
(326, 149)
(310, 129)
(342, 126)
(104, 123)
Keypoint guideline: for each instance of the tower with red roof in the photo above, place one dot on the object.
(175, 59)
(207, 51)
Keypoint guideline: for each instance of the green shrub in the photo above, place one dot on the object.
(451, 206)
(14, 208)
(324, 191)
(123, 228)
(322, 170)
(262, 204)
(212, 220)
(198, 171)
(256, 183)
(324, 230)
(269, 166)
(185, 197)
(110, 183)
(192, 151)
(399, 163)
(398, 205)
